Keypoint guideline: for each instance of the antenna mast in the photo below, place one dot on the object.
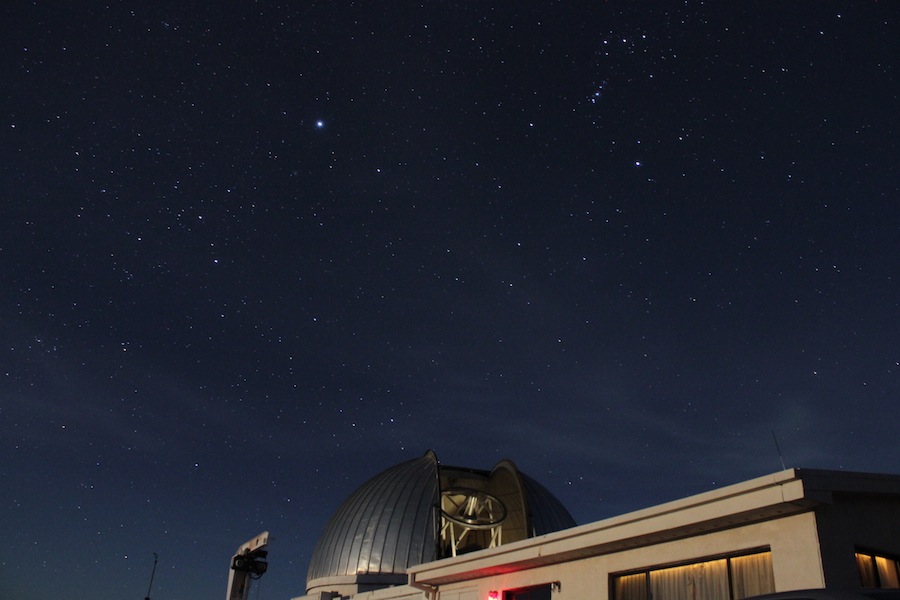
(777, 447)
(152, 573)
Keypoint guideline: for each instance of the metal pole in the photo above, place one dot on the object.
(152, 573)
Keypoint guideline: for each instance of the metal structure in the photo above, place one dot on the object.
(420, 511)
(464, 511)
(247, 564)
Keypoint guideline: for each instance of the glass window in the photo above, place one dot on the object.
(729, 578)
(631, 587)
(538, 592)
(752, 575)
(878, 570)
(699, 581)
(868, 576)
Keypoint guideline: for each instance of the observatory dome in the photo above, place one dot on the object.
(420, 511)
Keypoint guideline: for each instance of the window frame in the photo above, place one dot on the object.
(686, 563)
(510, 594)
(873, 554)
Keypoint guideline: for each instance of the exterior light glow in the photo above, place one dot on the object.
(493, 595)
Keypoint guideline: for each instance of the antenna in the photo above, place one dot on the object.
(777, 447)
(152, 573)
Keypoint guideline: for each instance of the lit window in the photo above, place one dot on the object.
(877, 570)
(728, 578)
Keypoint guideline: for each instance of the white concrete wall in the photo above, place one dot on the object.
(793, 540)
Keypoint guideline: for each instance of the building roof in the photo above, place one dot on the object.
(779, 494)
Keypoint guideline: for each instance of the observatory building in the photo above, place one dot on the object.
(420, 511)
(424, 531)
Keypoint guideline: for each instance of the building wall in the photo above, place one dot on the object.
(856, 522)
(793, 541)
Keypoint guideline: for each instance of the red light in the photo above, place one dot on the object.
(493, 595)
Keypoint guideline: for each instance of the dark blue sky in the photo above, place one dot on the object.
(251, 255)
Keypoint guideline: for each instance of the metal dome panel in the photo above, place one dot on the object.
(397, 519)
(545, 511)
(384, 527)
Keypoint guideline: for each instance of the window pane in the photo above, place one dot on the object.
(878, 571)
(752, 575)
(700, 581)
(539, 592)
(868, 577)
(887, 572)
(630, 587)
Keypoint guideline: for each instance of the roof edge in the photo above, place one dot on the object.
(779, 494)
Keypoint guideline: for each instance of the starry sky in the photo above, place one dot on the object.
(253, 253)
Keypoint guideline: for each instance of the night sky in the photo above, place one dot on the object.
(252, 254)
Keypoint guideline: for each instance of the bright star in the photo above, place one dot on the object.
(320, 124)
